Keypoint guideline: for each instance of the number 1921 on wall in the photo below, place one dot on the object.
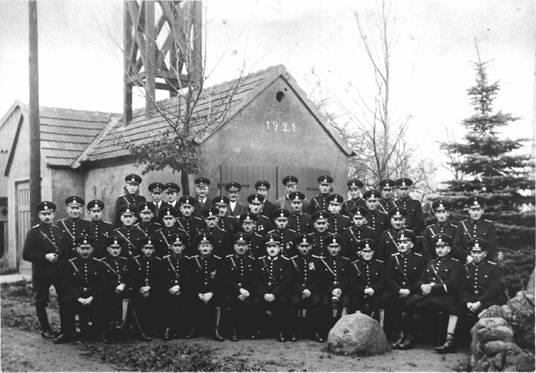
(275, 126)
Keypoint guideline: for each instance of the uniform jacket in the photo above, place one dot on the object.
(268, 208)
(404, 272)
(287, 237)
(351, 236)
(147, 272)
(307, 271)
(178, 271)
(162, 239)
(125, 199)
(256, 244)
(317, 203)
(334, 273)
(100, 231)
(430, 232)
(206, 274)
(469, 229)
(320, 242)
(386, 205)
(221, 241)
(378, 221)
(73, 228)
(116, 271)
(41, 240)
(83, 278)
(337, 223)
(229, 223)
(447, 275)
(148, 228)
(414, 215)
(301, 223)
(387, 245)
(129, 240)
(483, 284)
(351, 204)
(364, 274)
(237, 272)
(240, 208)
(272, 276)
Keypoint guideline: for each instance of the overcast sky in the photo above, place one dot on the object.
(80, 58)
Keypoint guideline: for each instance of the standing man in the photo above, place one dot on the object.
(337, 221)
(235, 208)
(45, 246)
(172, 191)
(299, 220)
(74, 226)
(377, 220)
(188, 222)
(264, 223)
(290, 183)
(355, 188)
(146, 223)
(201, 195)
(99, 230)
(287, 236)
(262, 187)
(441, 210)
(128, 235)
(320, 201)
(229, 223)
(414, 215)
(387, 201)
(387, 244)
(131, 196)
(352, 235)
(156, 189)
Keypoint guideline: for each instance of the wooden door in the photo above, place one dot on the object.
(23, 223)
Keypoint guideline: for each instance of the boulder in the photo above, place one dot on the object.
(494, 347)
(357, 334)
(496, 333)
(530, 284)
(522, 318)
(519, 361)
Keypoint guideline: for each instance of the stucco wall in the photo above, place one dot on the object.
(65, 183)
(278, 133)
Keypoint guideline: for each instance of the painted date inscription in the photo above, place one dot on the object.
(275, 126)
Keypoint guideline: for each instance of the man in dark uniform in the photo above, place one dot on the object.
(248, 222)
(402, 274)
(83, 292)
(162, 237)
(482, 288)
(298, 220)
(178, 292)
(387, 244)
(221, 240)
(188, 222)
(262, 187)
(290, 183)
(206, 287)
(441, 210)
(320, 232)
(355, 188)
(99, 230)
(229, 223)
(131, 196)
(201, 195)
(128, 235)
(74, 226)
(148, 281)
(237, 275)
(475, 227)
(287, 236)
(366, 282)
(46, 248)
(236, 208)
(387, 201)
(306, 298)
(172, 193)
(272, 284)
(146, 223)
(320, 201)
(264, 223)
(377, 220)
(439, 288)
(333, 283)
(356, 232)
(414, 215)
(337, 221)
(156, 189)
(117, 287)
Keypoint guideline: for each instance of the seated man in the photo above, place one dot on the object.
(306, 297)
(439, 287)
(272, 283)
(366, 282)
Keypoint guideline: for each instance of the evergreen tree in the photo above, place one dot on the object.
(496, 169)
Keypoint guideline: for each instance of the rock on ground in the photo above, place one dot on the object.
(357, 334)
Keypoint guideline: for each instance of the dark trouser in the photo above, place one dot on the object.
(398, 317)
(365, 303)
(205, 316)
(178, 315)
(419, 305)
(85, 313)
(149, 310)
(307, 314)
(242, 316)
(279, 310)
(41, 287)
(112, 310)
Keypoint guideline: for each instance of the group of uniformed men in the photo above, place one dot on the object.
(172, 266)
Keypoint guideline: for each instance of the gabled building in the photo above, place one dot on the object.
(271, 129)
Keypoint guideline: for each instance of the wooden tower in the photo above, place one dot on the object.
(162, 48)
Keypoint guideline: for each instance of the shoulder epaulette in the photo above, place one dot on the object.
(418, 254)
(316, 256)
(395, 254)
(455, 259)
(95, 259)
(72, 259)
(262, 257)
(157, 258)
(158, 224)
(293, 257)
(489, 221)
(188, 257)
(271, 230)
(122, 257)
(490, 262)
(194, 256)
(292, 230)
(229, 255)
(252, 257)
(355, 261)
(284, 257)
(217, 257)
(265, 216)
(257, 234)
(345, 258)
(464, 220)
(198, 218)
(166, 256)
(35, 226)
(453, 225)
(221, 229)
(136, 256)
(379, 260)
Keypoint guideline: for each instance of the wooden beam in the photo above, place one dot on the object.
(150, 59)
(127, 63)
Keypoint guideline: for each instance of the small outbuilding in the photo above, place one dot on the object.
(271, 129)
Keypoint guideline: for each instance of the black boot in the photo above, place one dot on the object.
(400, 341)
(217, 320)
(281, 337)
(408, 343)
(167, 334)
(48, 334)
(448, 346)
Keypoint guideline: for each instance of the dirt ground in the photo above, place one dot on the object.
(27, 351)
(23, 349)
